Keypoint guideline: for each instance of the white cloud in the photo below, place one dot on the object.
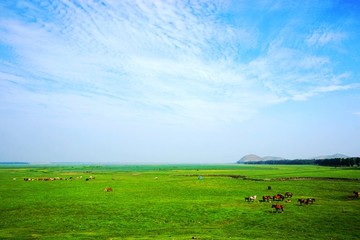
(322, 37)
(316, 91)
(158, 58)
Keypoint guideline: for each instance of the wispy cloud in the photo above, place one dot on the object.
(322, 37)
(156, 58)
(319, 90)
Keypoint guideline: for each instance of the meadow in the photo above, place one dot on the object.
(172, 202)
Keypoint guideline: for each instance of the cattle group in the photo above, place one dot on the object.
(57, 178)
(287, 198)
(45, 179)
(107, 189)
(280, 198)
(306, 201)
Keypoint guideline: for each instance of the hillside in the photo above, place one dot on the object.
(254, 157)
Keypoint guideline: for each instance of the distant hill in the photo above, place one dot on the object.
(249, 158)
(253, 158)
(337, 155)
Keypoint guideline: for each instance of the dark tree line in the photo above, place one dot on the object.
(334, 162)
(339, 162)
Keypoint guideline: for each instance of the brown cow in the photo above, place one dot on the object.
(266, 198)
(108, 189)
(278, 197)
(278, 207)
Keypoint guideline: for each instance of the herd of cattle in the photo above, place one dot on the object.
(280, 197)
(107, 189)
(57, 178)
(287, 198)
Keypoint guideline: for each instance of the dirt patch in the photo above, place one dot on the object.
(275, 179)
(216, 175)
(316, 178)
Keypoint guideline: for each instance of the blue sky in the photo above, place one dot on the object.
(178, 81)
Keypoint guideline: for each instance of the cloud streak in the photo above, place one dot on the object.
(159, 58)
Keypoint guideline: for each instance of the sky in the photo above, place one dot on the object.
(165, 82)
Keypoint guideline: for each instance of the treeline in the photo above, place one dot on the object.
(339, 162)
(335, 162)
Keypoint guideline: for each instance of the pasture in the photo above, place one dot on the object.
(173, 202)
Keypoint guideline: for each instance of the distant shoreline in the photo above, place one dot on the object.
(16, 163)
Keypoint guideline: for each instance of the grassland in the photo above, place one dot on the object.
(170, 202)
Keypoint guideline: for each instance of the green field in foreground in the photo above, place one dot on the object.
(170, 202)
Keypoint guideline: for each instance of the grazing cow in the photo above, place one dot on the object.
(288, 194)
(310, 200)
(266, 198)
(108, 189)
(301, 201)
(250, 199)
(278, 207)
(278, 197)
(356, 194)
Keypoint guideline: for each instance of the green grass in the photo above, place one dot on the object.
(169, 202)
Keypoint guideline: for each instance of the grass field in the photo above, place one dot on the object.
(170, 202)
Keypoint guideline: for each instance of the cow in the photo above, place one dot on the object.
(108, 189)
(278, 207)
(288, 194)
(250, 199)
(266, 198)
(278, 197)
(301, 201)
(356, 194)
(310, 200)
